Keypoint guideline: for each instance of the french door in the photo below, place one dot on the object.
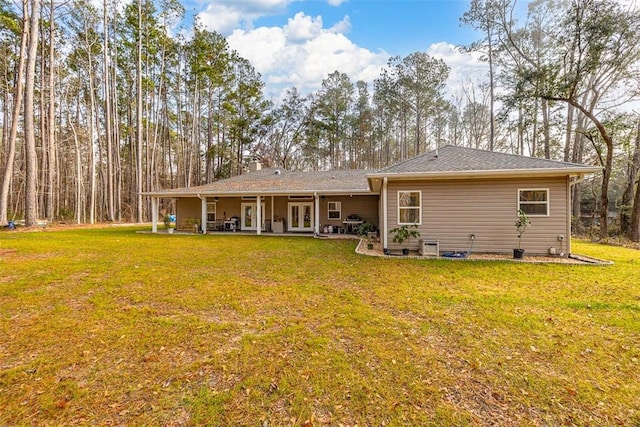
(301, 216)
(249, 219)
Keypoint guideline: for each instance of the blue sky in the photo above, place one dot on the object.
(299, 42)
(398, 27)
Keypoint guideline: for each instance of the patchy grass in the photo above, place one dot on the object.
(110, 327)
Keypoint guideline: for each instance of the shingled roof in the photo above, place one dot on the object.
(279, 182)
(451, 159)
(449, 162)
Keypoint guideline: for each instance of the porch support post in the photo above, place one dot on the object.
(316, 222)
(203, 215)
(567, 236)
(259, 215)
(384, 208)
(272, 210)
(154, 214)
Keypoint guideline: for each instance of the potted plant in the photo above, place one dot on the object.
(369, 237)
(194, 223)
(404, 233)
(167, 223)
(367, 231)
(522, 223)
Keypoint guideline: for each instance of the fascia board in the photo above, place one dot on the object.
(508, 173)
(173, 194)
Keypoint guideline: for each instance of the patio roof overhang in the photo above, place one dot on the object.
(180, 193)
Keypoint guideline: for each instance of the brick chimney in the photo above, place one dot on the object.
(255, 165)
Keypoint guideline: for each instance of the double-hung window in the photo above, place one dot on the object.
(409, 207)
(534, 202)
(211, 211)
(334, 210)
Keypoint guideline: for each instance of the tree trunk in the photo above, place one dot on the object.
(634, 234)
(626, 203)
(108, 119)
(78, 189)
(576, 157)
(51, 119)
(139, 129)
(31, 175)
(545, 128)
(492, 120)
(608, 164)
(93, 141)
(568, 132)
(17, 106)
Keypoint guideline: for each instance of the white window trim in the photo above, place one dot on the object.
(419, 207)
(339, 210)
(214, 211)
(547, 202)
(291, 221)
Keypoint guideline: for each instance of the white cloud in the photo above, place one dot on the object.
(221, 18)
(303, 27)
(465, 67)
(303, 53)
(224, 16)
(341, 27)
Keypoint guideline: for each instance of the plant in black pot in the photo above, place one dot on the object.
(522, 223)
(166, 219)
(367, 231)
(403, 234)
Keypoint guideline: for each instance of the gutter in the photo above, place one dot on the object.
(172, 194)
(579, 179)
(497, 173)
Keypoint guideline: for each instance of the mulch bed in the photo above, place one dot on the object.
(530, 259)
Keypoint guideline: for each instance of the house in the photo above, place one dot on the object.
(454, 195)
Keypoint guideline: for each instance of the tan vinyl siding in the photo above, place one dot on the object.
(226, 207)
(281, 206)
(364, 206)
(187, 208)
(453, 210)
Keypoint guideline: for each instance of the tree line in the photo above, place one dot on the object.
(100, 104)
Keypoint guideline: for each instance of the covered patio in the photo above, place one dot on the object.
(274, 201)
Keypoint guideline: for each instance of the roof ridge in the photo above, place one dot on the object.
(411, 159)
(512, 155)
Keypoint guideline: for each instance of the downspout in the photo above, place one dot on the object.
(384, 214)
(579, 180)
(316, 222)
(203, 214)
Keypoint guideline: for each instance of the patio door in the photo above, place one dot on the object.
(301, 216)
(249, 218)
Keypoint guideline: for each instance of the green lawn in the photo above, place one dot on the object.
(109, 327)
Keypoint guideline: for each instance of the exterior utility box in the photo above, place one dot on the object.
(429, 247)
